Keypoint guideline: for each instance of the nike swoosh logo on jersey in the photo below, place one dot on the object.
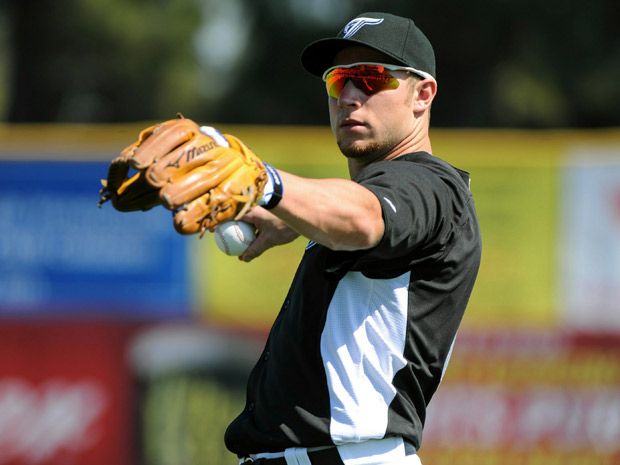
(390, 203)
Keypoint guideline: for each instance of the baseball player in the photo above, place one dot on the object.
(365, 333)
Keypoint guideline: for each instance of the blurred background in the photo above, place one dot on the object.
(122, 342)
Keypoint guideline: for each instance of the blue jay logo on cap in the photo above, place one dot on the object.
(356, 24)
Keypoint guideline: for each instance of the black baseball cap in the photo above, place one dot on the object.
(395, 36)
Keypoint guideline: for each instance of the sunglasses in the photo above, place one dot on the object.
(370, 78)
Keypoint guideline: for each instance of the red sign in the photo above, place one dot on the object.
(528, 398)
(65, 394)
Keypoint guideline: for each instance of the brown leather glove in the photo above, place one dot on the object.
(204, 177)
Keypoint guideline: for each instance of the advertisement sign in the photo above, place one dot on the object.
(590, 245)
(66, 394)
(527, 398)
(60, 253)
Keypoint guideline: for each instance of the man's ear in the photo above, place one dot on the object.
(425, 91)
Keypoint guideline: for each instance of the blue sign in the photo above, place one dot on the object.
(60, 254)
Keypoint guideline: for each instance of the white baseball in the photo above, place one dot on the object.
(234, 237)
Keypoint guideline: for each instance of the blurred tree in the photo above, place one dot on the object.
(512, 63)
(92, 60)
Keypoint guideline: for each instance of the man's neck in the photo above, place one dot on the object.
(407, 146)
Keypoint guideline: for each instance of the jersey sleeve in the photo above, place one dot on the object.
(419, 205)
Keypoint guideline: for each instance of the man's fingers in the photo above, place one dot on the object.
(253, 216)
(255, 249)
(272, 231)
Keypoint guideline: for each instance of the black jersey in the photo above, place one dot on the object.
(364, 337)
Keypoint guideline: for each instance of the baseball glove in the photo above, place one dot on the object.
(204, 177)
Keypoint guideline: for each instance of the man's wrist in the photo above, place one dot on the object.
(272, 193)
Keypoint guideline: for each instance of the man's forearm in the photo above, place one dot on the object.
(337, 213)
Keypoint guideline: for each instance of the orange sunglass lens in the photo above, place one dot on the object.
(369, 79)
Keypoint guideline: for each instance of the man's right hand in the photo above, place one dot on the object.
(272, 231)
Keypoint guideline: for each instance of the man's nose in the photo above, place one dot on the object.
(350, 94)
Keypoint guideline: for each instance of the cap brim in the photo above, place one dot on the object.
(319, 55)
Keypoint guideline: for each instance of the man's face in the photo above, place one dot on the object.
(369, 127)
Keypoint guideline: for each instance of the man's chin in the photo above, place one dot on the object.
(358, 150)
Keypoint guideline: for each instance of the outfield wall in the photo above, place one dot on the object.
(540, 196)
(534, 377)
